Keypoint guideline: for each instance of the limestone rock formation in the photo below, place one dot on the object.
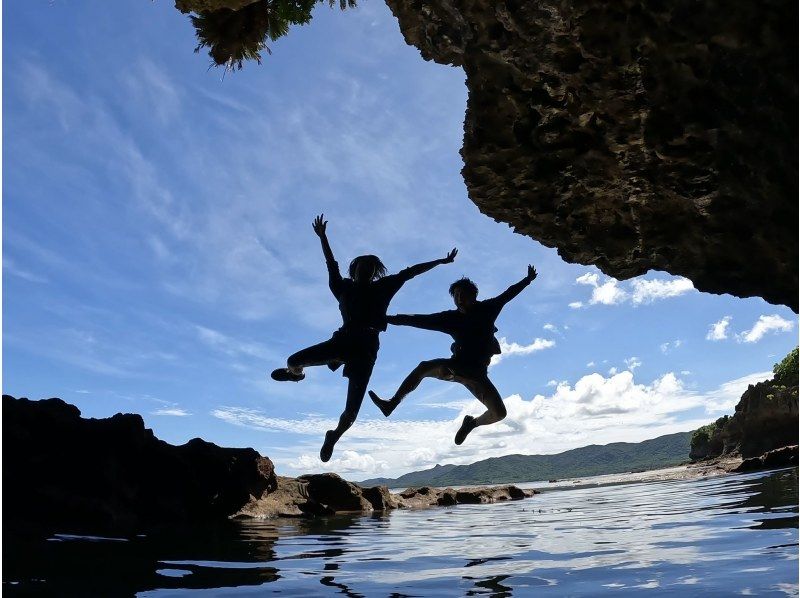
(632, 134)
(765, 419)
(61, 470)
(327, 494)
(67, 473)
(783, 457)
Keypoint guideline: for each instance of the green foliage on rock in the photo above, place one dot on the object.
(234, 36)
(786, 371)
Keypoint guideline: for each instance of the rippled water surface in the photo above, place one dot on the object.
(722, 536)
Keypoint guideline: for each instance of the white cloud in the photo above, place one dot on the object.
(633, 363)
(647, 291)
(174, 411)
(589, 278)
(509, 349)
(640, 291)
(552, 383)
(576, 305)
(608, 293)
(670, 346)
(348, 462)
(590, 364)
(765, 325)
(719, 330)
(595, 410)
(724, 398)
(612, 371)
(550, 327)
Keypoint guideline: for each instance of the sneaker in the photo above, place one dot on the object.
(386, 407)
(467, 426)
(286, 375)
(327, 447)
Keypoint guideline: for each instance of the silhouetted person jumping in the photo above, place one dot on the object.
(363, 300)
(472, 327)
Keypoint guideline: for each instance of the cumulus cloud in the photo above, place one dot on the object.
(607, 293)
(719, 330)
(764, 326)
(640, 291)
(348, 462)
(509, 349)
(647, 291)
(633, 363)
(596, 409)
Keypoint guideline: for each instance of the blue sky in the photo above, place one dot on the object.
(158, 256)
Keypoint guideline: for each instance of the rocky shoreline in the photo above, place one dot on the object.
(67, 472)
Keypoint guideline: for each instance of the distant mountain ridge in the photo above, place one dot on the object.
(617, 457)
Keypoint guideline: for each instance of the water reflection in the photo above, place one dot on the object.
(723, 535)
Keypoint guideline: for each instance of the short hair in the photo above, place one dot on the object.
(463, 284)
(378, 269)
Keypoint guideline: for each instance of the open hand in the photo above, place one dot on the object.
(531, 273)
(451, 256)
(319, 225)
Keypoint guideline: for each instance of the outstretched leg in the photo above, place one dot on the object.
(435, 368)
(320, 354)
(483, 390)
(356, 389)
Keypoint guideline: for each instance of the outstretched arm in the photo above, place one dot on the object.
(417, 269)
(334, 276)
(515, 289)
(438, 321)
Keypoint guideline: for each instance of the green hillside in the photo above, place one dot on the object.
(618, 457)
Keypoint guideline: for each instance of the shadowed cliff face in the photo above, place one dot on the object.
(632, 134)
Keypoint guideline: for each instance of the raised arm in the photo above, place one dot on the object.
(417, 269)
(515, 289)
(439, 321)
(334, 276)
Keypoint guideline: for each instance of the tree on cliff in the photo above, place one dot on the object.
(234, 36)
(786, 372)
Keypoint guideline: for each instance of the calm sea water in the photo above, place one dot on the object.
(733, 535)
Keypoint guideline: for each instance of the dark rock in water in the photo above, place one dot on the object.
(326, 494)
(786, 456)
(632, 135)
(427, 496)
(63, 471)
(765, 419)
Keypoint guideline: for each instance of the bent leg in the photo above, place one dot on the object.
(356, 389)
(483, 390)
(434, 368)
(320, 354)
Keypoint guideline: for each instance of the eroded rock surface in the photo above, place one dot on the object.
(328, 494)
(783, 457)
(632, 134)
(64, 471)
(765, 419)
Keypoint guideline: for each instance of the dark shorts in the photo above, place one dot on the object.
(458, 370)
(357, 350)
